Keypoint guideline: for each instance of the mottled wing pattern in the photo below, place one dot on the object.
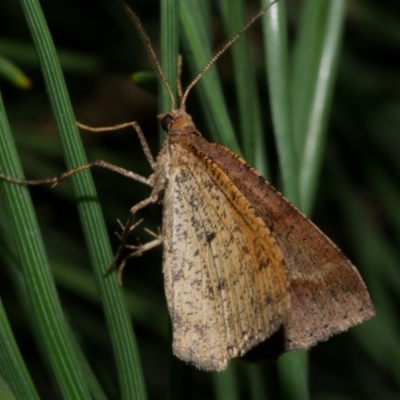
(224, 277)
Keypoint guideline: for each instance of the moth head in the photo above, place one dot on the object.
(176, 122)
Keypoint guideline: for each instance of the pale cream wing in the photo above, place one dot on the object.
(224, 278)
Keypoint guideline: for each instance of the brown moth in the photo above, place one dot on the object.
(241, 264)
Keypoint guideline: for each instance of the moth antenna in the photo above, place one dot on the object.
(179, 79)
(224, 46)
(149, 47)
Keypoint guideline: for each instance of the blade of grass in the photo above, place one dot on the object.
(293, 375)
(24, 54)
(169, 50)
(5, 391)
(39, 282)
(225, 384)
(275, 40)
(198, 53)
(19, 287)
(14, 74)
(249, 112)
(306, 55)
(96, 390)
(317, 120)
(124, 344)
(257, 383)
(12, 366)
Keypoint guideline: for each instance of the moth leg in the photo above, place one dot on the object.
(157, 236)
(135, 126)
(119, 236)
(97, 163)
(127, 228)
(139, 249)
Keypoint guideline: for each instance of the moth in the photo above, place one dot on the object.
(242, 266)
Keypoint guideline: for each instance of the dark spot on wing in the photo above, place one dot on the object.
(211, 237)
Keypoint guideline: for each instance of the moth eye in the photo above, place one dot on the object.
(167, 119)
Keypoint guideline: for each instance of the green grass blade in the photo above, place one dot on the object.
(38, 278)
(293, 375)
(248, 110)
(169, 50)
(275, 40)
(317, 119)
(12, 366)
(198, 53)
(306, 55)
(19, 287)
(13, 74)
(225, 384)
(257, 383)
(96, 390)
(126, 353)
(5, 390)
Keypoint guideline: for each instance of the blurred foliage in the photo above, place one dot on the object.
(357, 205)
